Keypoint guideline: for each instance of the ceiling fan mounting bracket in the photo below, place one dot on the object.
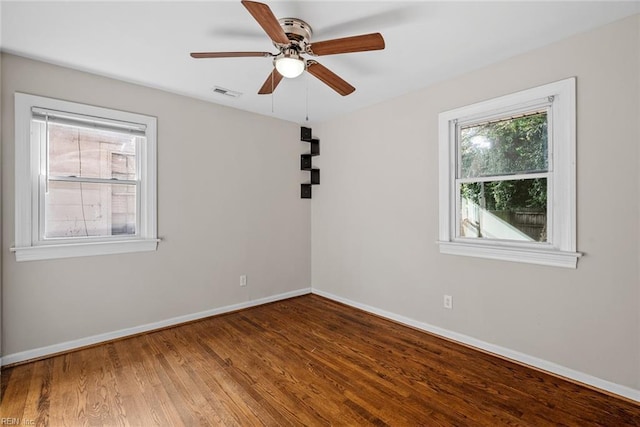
(298, 32)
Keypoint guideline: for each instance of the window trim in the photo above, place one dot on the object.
(560, 251)
(28, 245)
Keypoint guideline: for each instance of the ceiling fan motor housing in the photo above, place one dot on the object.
(298, 32)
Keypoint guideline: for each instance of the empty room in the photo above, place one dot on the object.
(402, 213)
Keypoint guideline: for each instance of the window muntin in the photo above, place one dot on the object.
(85, 180)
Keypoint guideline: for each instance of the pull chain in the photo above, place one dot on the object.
(46, 154)
(272, 90)
(307, 101)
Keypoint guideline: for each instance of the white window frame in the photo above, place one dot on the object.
(29, 164)
(560, 250)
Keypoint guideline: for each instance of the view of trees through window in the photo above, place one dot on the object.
(502, 178)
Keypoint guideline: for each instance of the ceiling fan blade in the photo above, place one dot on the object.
(228, 54)
(267, 20)
(329, 78)
(271, 83)
(361, 43)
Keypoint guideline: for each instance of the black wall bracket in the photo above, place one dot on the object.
(306, 163)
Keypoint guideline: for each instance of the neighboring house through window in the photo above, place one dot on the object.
(85, 180)
(507, 177)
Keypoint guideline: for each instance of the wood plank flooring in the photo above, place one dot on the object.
(304, 361)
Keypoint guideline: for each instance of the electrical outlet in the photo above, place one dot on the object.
(448, 302)
(243, 280)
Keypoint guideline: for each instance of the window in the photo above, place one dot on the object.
(507, 177)
(85, 180)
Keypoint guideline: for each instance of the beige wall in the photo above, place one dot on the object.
(375, 216)
(229, 204)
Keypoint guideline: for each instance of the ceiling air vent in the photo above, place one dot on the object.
(226, 92)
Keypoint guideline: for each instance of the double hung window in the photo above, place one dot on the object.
(507, 177)
(85, 180)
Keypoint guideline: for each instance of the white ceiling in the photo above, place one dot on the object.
(148, 42)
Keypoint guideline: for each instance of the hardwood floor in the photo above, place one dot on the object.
(304, 361)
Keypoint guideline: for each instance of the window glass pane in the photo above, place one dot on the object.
(505, 147)
(75, 209)
(506, 210)
(123, 166)
(91, 153)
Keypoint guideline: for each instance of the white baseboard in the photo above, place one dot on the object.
(544, 365)
(624, 391)
(96, 339)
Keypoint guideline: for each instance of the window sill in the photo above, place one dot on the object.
(69, 250)
(552, 257)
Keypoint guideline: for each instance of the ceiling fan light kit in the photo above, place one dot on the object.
(292, 37)
(289, 64)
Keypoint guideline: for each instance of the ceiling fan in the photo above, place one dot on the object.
(291, 36)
